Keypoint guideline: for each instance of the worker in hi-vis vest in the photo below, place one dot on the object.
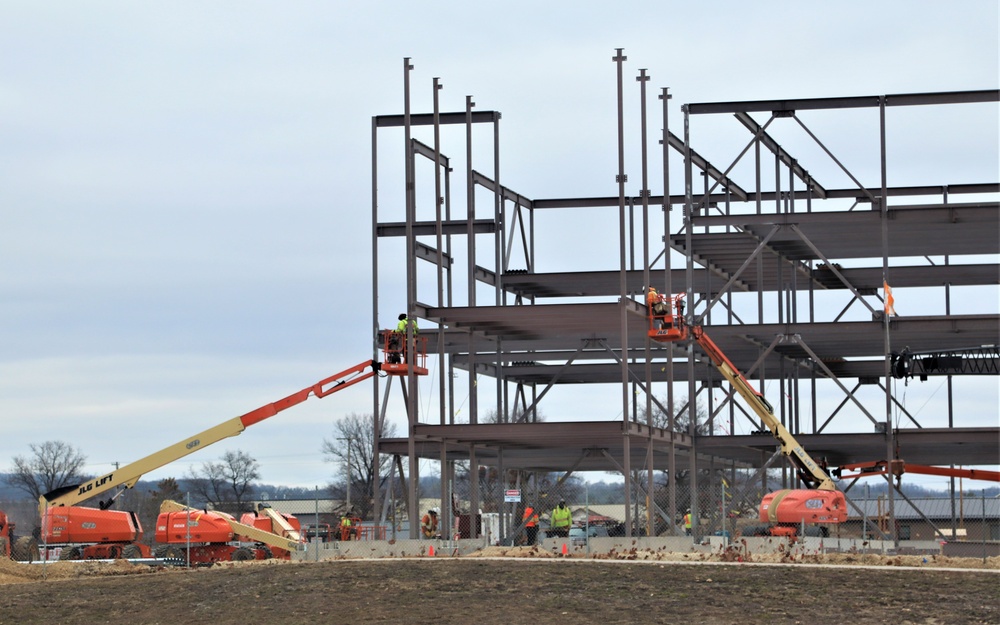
(530, 524)
(560, 520)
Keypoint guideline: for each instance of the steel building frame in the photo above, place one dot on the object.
(782, 243)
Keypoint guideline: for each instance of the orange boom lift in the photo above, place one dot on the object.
(820, 504)
(99, 533)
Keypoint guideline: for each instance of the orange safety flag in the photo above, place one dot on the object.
(889, 300)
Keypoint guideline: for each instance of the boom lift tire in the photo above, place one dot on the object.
(169, 551)
(71, 553)
(756, 530)
(242, 555)
(131, 552)
(25, 549)
(3, 545)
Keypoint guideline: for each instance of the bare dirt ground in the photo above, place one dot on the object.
(522, 586)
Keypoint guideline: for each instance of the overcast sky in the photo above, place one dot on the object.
(185, 187)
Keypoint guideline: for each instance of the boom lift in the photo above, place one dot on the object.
(898, 467)
(211, 535)
(784, 510)
(88, 533)
(270, 520)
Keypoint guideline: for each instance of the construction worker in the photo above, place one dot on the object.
(656, 305)
(530, 524)
(401, 326)
(560, 520)
(401, 330)
(429, 524)
(345, 527)
(652, 297)
(687, 522)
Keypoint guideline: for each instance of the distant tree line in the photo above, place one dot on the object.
(232, 483)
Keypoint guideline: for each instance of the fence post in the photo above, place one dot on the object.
(984, 527)
(316, 539)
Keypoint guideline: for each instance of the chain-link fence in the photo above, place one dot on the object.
(549, 511)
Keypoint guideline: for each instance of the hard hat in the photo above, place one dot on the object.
(433, 510)
(401, 316)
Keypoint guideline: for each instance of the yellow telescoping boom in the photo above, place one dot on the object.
(127, 476)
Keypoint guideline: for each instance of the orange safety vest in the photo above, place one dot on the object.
(530, 516)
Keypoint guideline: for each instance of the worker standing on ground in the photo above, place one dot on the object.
(429, 524)
(530, 524)
(687, 522)
(560, 520)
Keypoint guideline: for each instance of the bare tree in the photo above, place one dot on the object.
(352, 446)
(52, 465)
(226, 485)
(713, 485)
(682, 418)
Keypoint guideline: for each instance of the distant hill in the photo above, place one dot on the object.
(8, 492)
(272, 492)
(600, 492)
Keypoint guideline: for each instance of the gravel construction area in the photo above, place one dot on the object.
(517, 586)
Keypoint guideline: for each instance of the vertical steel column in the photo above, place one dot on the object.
(793, 313)
(377, 431)
(689, 270)
(439, 244)
(642, 78)
(760, 275)
(890, 444)
(619, 59)
(439, 239)
(499, 264)
(471, 244)
(470, 199)
(411, 297)
(668, 289)
(779, 292)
